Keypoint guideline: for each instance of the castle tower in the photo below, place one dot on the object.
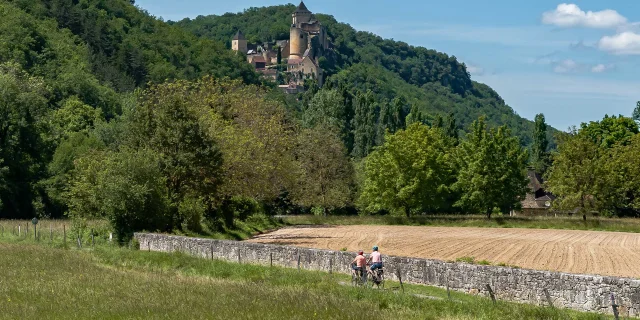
(239, 43)
(298, 38)
(301, 15)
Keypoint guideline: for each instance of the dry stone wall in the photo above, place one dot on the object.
(564, 290)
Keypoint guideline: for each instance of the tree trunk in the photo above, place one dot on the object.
(489, 211)
(407, 212)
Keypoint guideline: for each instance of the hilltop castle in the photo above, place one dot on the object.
(307, 42)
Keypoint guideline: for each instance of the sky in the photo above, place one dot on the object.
(573, 61)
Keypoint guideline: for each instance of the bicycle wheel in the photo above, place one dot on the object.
(381, 279)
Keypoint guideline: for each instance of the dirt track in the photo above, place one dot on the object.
(588, 252)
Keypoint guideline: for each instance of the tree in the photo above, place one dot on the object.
(127, 188)
(636, 113)
(23, 109)
(540, 159)
(327, 109)
(364, 124)
(491, 170)
(451, 128)
(74, 116)
(326, 178)
(610, 130)
(255, 136)
(410, 173)
(167, 121)
(74, 147)
(578, 174)
(623, 178)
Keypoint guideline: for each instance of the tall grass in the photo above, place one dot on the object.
(565, 222)
(39, 281)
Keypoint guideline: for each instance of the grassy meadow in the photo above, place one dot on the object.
(40, 280)
(481, 221)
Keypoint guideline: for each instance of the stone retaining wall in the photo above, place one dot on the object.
(573, 291)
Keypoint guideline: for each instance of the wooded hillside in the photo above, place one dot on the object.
(432, 82)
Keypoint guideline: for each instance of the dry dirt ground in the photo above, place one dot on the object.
(586, 252)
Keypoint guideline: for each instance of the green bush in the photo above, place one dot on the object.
(470, 260)
(191, 212)
(126, 187)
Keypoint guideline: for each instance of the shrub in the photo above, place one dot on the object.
(469, 260)
(191, 212)
(126, 187)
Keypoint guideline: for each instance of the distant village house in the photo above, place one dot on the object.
(538, 200)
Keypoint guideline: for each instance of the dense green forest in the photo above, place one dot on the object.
(60, 61)
(430, 82)
(107, 112)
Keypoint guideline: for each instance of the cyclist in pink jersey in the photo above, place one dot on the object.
(375, 259)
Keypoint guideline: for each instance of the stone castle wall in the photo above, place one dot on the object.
(573, 291)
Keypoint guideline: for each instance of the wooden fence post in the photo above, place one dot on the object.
(448, 292)
(64, 234)
(548, 296)
(19, 231)
(330, 264)
(493, 297)
(614, 306)
(93, 244)
(270, 258)
(298, 260)
(211, 251)
(398, 273)
(50, 233)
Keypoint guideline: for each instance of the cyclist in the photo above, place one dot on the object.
(375, 259)
(359, 263)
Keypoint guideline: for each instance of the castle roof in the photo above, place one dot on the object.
(302, 8)
(239, 36)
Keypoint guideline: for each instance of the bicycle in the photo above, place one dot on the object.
(376, 277)
(357, 276)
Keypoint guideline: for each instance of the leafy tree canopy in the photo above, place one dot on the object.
(410, 173)
(491, 170)
(610, 131)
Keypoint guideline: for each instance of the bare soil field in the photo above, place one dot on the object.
(584, 252)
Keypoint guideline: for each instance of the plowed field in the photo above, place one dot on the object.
(586, 252)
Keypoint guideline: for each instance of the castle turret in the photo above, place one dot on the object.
(301, 15)
(239, 43)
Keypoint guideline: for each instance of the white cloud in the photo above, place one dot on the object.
(600, 68)
(570, 15)
(566, 66)
(625, 43)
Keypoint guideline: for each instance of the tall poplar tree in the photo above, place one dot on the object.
(540, 159)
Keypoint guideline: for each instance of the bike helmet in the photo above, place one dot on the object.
(375, 248)
(360, 252)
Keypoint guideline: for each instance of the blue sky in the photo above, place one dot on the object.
(573, 61)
